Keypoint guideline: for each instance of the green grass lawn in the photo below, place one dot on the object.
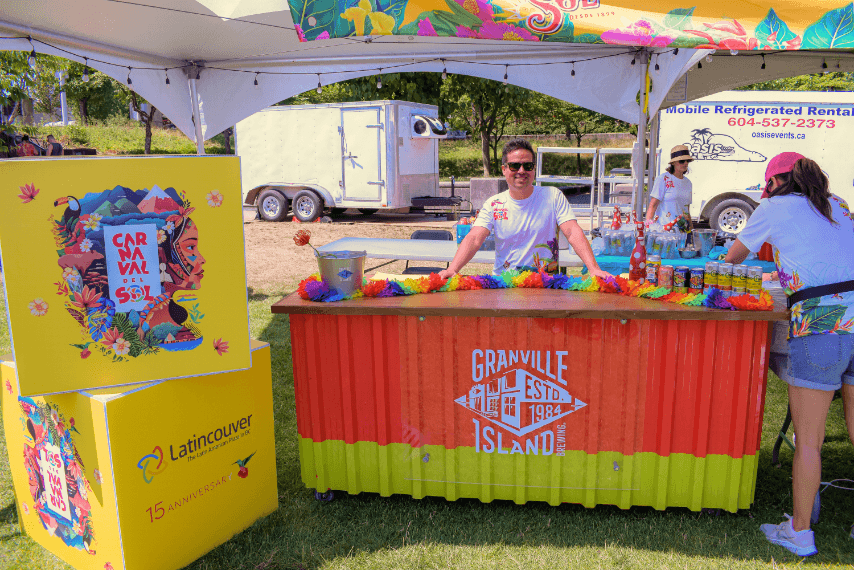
(369, 531)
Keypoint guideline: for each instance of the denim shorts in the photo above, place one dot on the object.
(821, 361)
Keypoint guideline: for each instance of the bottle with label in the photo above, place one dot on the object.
(617, 221)
(637, 261)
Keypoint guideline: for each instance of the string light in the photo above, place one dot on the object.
(656, 63)
(733, 52)
(166, 71)
(256, 81)
(380, 79)
(676, 51)
(505, 74)
(198, 73)
(763, 61)
(699, 65)
(709, 58)
(444, 71)
(86, 70)
(130, 82)
(633, 60)
(572, 73)
(319, 86)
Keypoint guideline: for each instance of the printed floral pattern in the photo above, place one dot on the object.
(525, 20)
(38, 307)
(214, 198)
(47, 425)
(28, 193)
(220, 346)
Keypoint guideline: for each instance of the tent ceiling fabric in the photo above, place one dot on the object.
(235, 41)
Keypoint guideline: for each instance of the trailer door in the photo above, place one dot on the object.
(361, 144)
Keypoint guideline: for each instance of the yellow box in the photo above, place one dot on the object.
(122, 271)
(151, 477)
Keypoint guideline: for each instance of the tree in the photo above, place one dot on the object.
(569, 119)
(485, 107)
(95, 99)
(16, 79)
(834, 81)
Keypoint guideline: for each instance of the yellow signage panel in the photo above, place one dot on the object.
(115, 480)
(122, 271)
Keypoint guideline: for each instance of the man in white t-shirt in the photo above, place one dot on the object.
(523, 220)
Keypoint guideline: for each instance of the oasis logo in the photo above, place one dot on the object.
(706, 145)
(152, 464)
(518, 396)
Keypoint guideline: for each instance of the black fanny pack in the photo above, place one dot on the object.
(820, 291)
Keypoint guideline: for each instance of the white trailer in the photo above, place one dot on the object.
(368, 155)
(732, 136)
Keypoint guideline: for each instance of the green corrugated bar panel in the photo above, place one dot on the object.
(642, 479)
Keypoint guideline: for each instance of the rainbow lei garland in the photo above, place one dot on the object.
(315, 289)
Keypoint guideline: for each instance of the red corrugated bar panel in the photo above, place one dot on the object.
(661, 386)
(347, 377)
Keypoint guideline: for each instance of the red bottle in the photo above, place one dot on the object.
(637, 261)
(617, 222)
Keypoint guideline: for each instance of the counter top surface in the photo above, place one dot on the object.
(542, 303)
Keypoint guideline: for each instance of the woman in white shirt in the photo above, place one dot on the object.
(812, 234)
(671, 193)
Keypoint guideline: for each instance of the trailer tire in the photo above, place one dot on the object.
(307, 206)
(369, 211)
(272, 206)
(730, 216)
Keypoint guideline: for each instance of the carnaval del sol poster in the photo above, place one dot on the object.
(123, 270)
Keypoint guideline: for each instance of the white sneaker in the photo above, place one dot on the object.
(801, 542)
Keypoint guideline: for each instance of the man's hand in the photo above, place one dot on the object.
(447, 273)
(599, 273)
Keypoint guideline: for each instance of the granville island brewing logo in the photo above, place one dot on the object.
(520, 392)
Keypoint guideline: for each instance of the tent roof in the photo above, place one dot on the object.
(236, 41)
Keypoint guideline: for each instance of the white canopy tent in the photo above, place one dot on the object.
(215, 51)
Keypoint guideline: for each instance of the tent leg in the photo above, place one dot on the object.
(197, 120)
(653, 152)
(639, 158)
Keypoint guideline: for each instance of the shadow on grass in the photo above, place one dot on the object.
(368, 530)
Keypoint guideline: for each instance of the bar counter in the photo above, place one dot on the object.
(531, 395)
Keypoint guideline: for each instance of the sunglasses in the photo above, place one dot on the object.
(527, 166)
(682, 161)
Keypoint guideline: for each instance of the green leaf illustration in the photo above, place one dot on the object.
(770, 26)
(679, 19)
(834, 30)
(824, 318)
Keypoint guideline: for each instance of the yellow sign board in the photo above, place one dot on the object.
(122, 271)
(114, 480)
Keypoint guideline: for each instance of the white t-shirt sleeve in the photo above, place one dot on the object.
(658, 188)
(758, 228)
(563, 211)
(485, 218)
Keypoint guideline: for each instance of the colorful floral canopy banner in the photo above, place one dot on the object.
(702, 24)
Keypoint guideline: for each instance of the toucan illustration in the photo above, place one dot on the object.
(72, 212)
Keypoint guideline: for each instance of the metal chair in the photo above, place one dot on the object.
(437, 235)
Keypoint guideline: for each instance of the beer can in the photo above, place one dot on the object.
(665, 276)
(711, 277)
(695, 284)
(680, 279)
(725, 278)
(754, 280)
(739, 279)
(653, 263)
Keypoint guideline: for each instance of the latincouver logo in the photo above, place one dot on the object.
(520, 391)
(706, 145)
(152, 464)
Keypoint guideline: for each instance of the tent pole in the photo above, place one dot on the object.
(653, 150)
(639, 158)
(197, 120)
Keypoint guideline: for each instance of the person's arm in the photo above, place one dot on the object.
(737, 253)
(650, 211)
(576, 238)
(468, 247)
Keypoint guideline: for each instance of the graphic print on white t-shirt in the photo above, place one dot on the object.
(675, 195)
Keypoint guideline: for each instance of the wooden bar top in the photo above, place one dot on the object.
(542, 303)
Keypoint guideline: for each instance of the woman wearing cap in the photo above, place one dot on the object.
(671, 193)
(812, 234)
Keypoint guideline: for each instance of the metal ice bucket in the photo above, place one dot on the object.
(342, 270)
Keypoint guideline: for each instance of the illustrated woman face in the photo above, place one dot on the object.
(190, 260)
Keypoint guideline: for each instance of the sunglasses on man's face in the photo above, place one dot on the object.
(514, 166)
(683, 161)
